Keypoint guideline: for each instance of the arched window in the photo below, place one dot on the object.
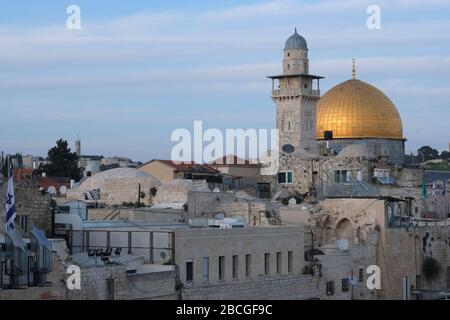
(344, 230)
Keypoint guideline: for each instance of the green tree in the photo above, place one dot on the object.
(427, 153)
(445, 155)
(63, 162)
(19, 158)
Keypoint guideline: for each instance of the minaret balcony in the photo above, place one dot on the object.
(295, 92)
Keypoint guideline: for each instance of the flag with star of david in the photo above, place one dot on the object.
(10, 201)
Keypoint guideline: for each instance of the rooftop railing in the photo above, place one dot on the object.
(294, 92)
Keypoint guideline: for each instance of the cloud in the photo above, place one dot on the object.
(205, 57)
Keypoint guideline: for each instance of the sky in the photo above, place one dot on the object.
(137, 70)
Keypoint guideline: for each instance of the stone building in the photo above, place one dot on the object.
(32, 206)
(349, 134)
(296, 92)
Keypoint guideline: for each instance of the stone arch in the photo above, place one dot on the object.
(344, 230)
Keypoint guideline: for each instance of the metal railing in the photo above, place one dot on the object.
(137, 243)
(289, 92)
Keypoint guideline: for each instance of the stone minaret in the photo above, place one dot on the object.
(295, 93)
(78, 147)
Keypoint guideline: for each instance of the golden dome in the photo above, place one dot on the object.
(355, 109)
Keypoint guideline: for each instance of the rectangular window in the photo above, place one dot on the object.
(23, 223)
(235, 267)
(290, 261)
(279, 262)
(448, 277)
(346, 176)
(289, 177)
(248, 265)
(341, 176)
(285, 177)
(205, 269)
(221, 267)
(267, 264)
(345, 284)
(110, 289)
(337, 176)
(330, 288)
(361, 275)
(189, 271)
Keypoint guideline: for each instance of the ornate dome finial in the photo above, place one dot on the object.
(295, 30)
(353, 69)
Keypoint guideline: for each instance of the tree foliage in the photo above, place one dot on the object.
(63, 162)
(427, 153)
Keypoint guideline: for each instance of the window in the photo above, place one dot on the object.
(288, 54)
(23, 223)
(341, 176)
(235, 267)
(288, 66)
(205, 269)
(221, 268)
(248, 265)
(285, 177)
(345, 284)
(448, 277)
(290, 261)
(189, 271)
(330, 288)
(279, 262)
(110, 289)
(361, 275)
(267, 264)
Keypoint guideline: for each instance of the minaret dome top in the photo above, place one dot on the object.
(295, 41)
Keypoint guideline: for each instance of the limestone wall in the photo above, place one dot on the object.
(285, 288)
(207, 203)
(193, 245)
(29, 202)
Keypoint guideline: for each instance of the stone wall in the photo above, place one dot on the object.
(204, 204)
(283, 288)
(318, 172)
(152, 286)
(29, 202)
(254, 213)
(260, 243)
(393, 149)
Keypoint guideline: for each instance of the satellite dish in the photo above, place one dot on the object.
(51, 190)
(342, 244)
(216, 190)
(63, 190)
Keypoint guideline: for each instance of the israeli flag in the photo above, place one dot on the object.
(10, 202)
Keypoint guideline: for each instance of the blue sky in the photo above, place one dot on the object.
(137, 70)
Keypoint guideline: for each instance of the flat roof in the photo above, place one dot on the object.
(135, 225)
